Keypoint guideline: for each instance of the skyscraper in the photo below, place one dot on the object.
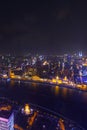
(6, 120)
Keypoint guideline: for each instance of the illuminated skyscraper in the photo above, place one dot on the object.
(80, 54)
(6, 120)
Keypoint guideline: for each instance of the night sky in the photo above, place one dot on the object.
(53, 27)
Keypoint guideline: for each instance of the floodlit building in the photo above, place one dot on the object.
(27, 110)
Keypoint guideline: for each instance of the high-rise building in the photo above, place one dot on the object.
(80, 54)
(6, 120)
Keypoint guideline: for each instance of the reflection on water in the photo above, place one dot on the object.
(68, 94)
(12, 83)
(69, 102)
(64, 92)
(52, 90)
(84, 96)
(34, 85)
(55, 90)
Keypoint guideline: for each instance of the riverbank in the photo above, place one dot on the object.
(51, 118)
(68, 102)
(79, 87)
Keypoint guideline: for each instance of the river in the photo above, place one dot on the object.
(68, 102)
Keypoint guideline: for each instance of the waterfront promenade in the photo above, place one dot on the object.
(57, 82)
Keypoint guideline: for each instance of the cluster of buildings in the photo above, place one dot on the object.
(26, 117)
(74, 67)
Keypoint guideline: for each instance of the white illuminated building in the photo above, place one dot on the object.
(80, 54)
(6, 120)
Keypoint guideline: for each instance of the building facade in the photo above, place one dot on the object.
(7, 123)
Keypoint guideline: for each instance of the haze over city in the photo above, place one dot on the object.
(43, 27)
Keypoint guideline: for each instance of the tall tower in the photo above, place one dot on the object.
(10, 73)
(6, 120)
(80, 54)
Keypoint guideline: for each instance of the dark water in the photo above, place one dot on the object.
(68, 102)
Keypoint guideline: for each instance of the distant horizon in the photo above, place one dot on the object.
(33, 53)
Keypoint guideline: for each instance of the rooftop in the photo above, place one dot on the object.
(5, 111)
